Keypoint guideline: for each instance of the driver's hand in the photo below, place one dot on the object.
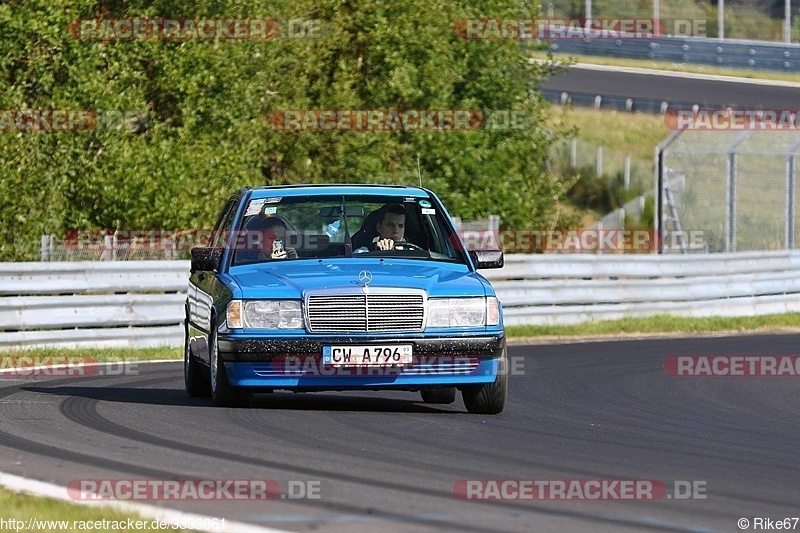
(291, 253)
(385, 244)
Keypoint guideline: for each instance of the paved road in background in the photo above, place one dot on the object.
(706, 93)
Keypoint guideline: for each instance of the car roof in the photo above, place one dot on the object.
(338, 189)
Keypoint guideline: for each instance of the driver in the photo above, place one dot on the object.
(274, 235)
(391, 226)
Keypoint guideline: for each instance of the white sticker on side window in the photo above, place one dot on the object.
(428, 211)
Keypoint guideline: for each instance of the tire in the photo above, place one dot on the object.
(222, 392)
(441, 395)
(488, 398)
(196, 383)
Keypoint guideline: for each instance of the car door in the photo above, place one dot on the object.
(204, 284)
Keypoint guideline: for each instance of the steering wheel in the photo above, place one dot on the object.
(408, 246)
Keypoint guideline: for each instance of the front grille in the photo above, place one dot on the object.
(365, 312)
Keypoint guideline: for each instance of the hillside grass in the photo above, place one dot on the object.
(633, 132)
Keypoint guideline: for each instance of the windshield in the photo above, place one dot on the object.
(344, 226)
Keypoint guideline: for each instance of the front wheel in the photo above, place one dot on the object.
(222, 392)
(488, 398)
(441, 395)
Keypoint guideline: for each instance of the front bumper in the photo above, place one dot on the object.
(295, 363)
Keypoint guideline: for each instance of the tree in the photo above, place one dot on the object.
(184, 123)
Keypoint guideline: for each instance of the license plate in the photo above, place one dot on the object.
(393, 354)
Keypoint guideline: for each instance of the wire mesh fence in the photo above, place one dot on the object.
(569, 154)
(736, 187)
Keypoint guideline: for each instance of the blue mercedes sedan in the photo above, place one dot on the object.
(343, 287)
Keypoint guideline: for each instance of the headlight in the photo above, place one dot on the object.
(456, 312)
(265, 314)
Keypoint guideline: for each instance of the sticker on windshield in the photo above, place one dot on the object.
(273, 200)
(270, 210)
(424, 203)
(254, 207)
(410, 200)
(428, 211)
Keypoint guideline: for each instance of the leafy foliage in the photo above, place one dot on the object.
(197, 113)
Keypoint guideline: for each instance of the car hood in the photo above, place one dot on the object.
(290, 278)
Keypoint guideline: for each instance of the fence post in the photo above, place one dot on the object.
(573, 153)
(730, 210)
(790, 183)
(730, 219)
(47, 247)
(627, 171)
(107, 246)
(600, 237)
(599, 161)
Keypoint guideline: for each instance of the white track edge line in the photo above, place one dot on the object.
(34, 487)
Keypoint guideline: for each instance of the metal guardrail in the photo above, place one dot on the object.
(571, 289)
(140, 303)
(733, 53)
(92, 304)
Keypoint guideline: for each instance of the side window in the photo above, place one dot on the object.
(222, 229)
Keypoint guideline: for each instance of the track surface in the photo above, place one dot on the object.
(389, 462)
(705, 93)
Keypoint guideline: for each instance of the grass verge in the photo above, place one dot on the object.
(673, 67)
(664, 324)
(9, 358)
(51, 515)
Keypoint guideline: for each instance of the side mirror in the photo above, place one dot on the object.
(206, 259)
(487, 258)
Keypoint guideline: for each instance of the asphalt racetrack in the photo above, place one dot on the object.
(385, 461)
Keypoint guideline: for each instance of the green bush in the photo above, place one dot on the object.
(599, 193)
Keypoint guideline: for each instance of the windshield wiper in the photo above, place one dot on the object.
(348, 243)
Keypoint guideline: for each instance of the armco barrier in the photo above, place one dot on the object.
(733, 53)
(140, 303)
(575, 288)
(92, 304)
